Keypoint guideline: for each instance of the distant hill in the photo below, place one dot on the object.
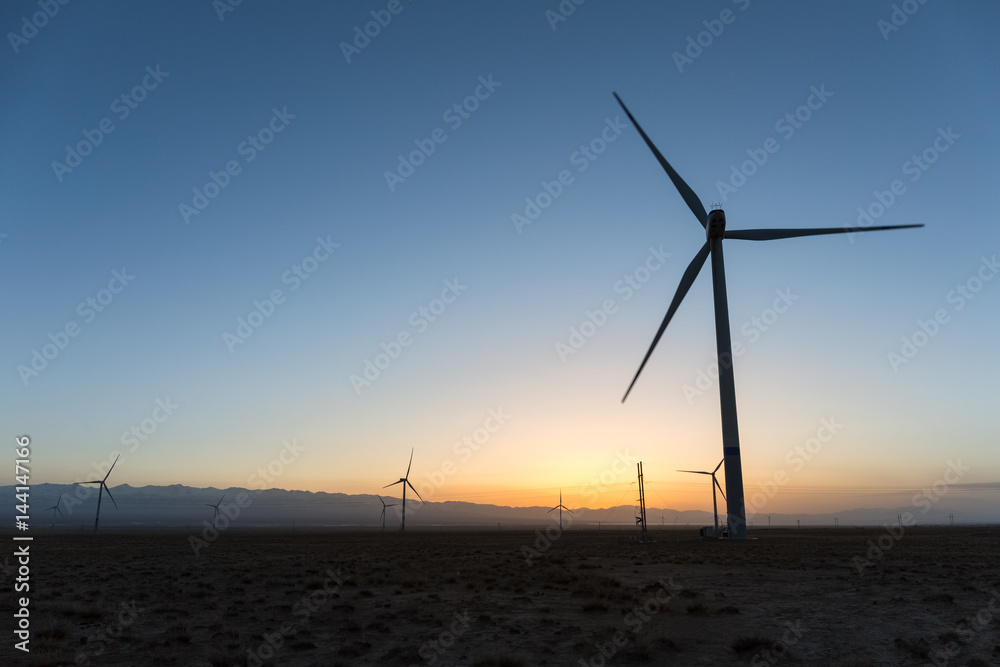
(179, 506)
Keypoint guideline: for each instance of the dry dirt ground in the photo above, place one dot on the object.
(928, 596)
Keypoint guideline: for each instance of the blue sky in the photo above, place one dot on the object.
(328, 130)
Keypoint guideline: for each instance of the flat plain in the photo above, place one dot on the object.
(848, 596)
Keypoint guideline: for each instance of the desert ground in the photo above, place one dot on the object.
(845, 596)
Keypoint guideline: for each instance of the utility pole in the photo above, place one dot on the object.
(641, 519)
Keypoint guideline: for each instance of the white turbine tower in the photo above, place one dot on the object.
(405, 481)
(714, 224)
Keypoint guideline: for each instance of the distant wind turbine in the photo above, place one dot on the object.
(103, 488)
(55, 509)
(560, 507)
(215, 516)
(405, 481)
(715, 483)
(384, 506)
(714, 224)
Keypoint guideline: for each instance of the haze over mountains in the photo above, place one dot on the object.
(179, 506)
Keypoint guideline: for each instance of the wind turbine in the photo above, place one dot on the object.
(715, 483)
(405, 481)
(216, 508)
(103, 488)
(56, 509)
(384, 506)
(560, 507)
(714, 224)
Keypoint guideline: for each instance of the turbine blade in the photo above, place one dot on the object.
(96, 481)
(111, 468)
(411, 464)
(773, 234)
(568, 510)
(109, 494)
(718, 466)
(686, 281)
(414, 490)
(552, 510)
(690, 198)
(393, 484)
(720, 487)
(696, 472)
(60, 512)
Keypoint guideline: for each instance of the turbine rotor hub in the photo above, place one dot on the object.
(716, 227)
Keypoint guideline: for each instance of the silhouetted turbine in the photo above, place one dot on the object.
(405, 481)
(104, 487)
(714, 224)
(216, 508)
(384, 506)
(56, 509)
(560, 507)
(715, 483)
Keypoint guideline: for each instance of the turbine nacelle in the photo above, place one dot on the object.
(716, 227)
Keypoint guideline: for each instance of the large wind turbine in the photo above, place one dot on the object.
(104, 487)
(714, 224)
(215, 517)
(55, 508)
(384, 507)
(405, 481)
(560, 507)
(715, 483)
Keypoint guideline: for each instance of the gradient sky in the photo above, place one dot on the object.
(494, 347)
